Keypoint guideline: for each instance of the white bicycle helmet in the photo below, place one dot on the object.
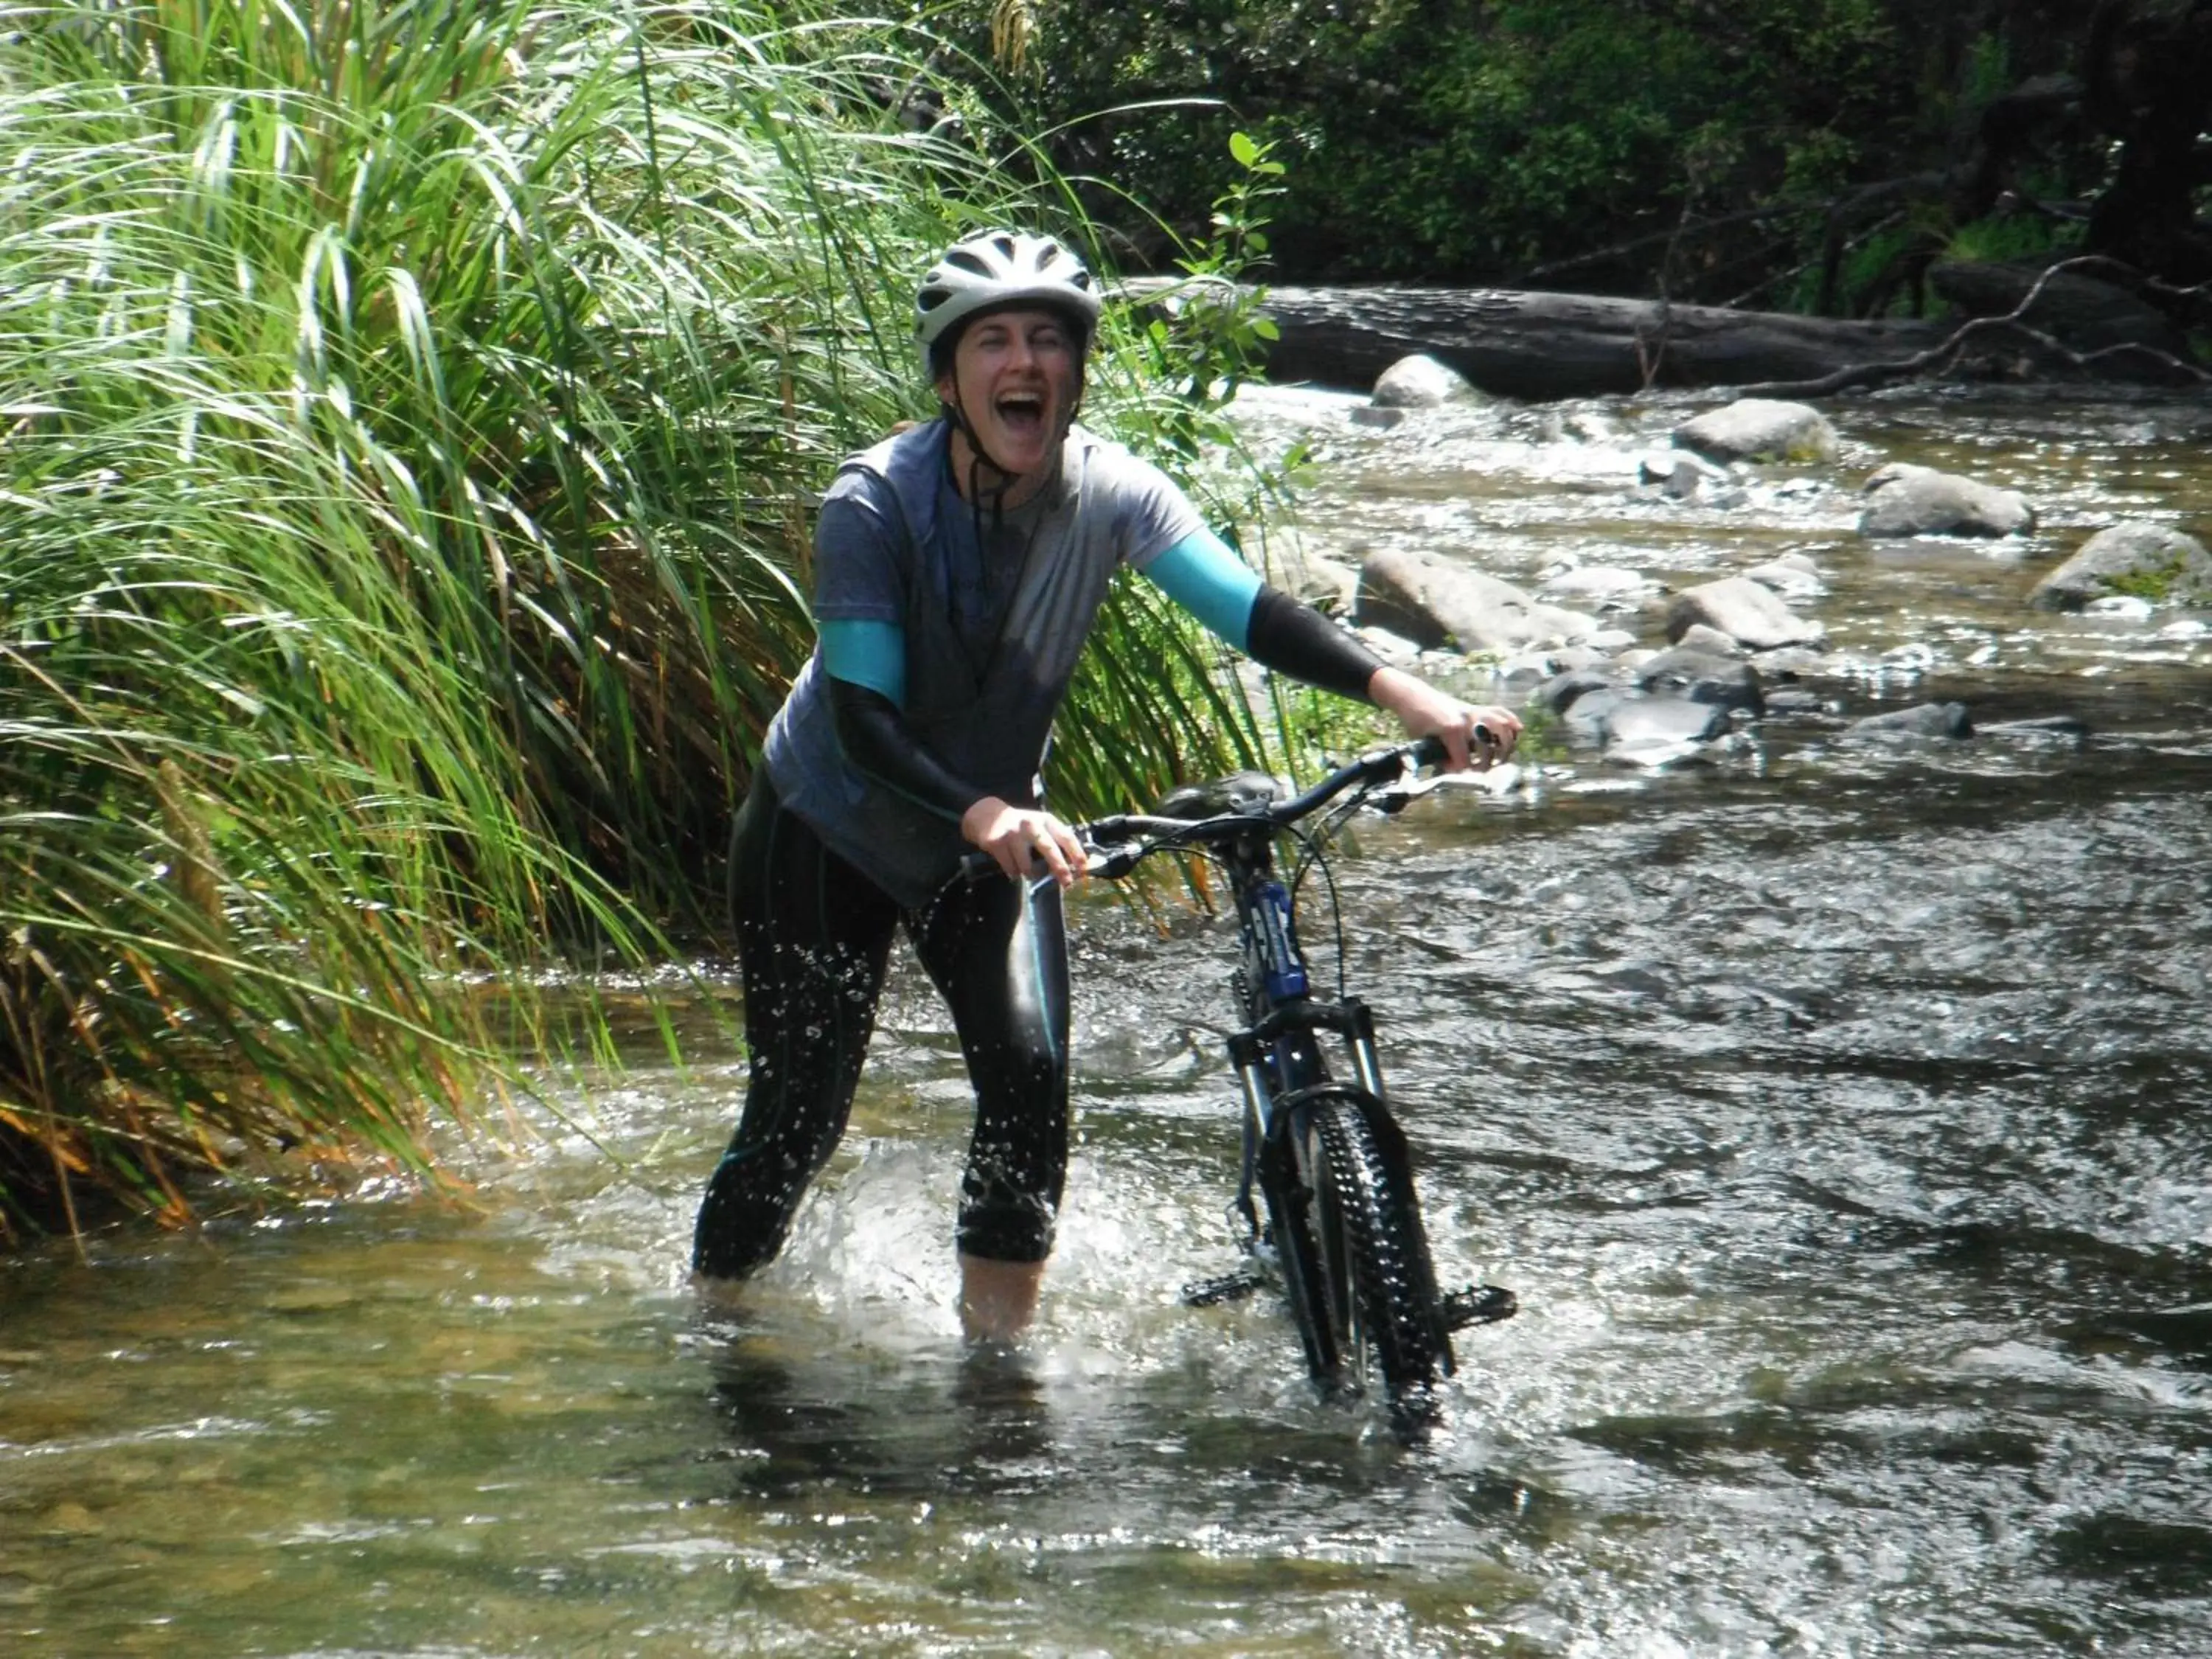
(993, 269)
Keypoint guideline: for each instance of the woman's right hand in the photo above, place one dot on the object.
(1017, 837)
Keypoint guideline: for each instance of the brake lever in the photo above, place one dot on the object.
(1399, 796)
(1500, 779)
(1112, 863)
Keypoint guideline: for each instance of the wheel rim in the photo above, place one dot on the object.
(1355, 1347)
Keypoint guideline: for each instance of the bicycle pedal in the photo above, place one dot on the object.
(1477, 1304)
(1229, 1287)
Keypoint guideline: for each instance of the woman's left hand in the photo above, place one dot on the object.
(1474, 735)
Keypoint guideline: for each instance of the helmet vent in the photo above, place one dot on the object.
(993, 271)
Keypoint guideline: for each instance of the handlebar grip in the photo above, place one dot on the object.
(1430, 752)
(982, 866)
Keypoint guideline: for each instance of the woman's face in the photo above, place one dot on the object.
(1016, 374)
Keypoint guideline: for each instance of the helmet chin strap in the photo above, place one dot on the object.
(956, 411)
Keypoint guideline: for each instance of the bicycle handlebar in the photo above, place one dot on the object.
(1118, 841)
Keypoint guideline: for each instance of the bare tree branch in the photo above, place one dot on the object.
(2011, 324)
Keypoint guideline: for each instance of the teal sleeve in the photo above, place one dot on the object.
(1199, 573)
(870, 653)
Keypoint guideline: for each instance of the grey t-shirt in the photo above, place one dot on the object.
(888, 547)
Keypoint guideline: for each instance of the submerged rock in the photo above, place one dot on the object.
(1584, 709)
(1531, 671)
(1927, 719)
(1653, 730)
(1630, 724)
(2121, 607)
(2133, 559)
(1382, 419)
(2053, 729)
(1697, 677)
(1560, 694)
(1436, 602)
(1680, 474)
(1744, 611)
(1760, 430)
(1793, 575)
(1710, 640)
(1793, 700)
(1790, 660)
(1607, 586)
(1904, 500)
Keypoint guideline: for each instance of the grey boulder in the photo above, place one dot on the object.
(1680, 474)
(1419, 382)
(1437, 603)
(1696, 677)
(1905, 499)
(1747, 612)
(1760, 430)
(2134, 558)
(1793, 575)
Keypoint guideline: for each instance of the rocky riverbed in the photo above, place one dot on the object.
(1675, 579)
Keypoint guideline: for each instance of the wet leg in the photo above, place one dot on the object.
(813, 935)
(997, 953)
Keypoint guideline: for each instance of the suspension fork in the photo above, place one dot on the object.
(1279, 1053)
(1271, 974)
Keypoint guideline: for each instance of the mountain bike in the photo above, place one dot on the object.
(1336, 1221)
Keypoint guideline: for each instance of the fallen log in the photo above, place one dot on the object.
(1539, 346)
(2081, 311)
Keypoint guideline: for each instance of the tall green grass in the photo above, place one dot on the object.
(411, 413)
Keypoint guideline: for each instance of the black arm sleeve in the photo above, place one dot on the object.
(875, 739)
(1296, 640)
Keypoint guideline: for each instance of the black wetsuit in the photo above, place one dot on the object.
(813, 937)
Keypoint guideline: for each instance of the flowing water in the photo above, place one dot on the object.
(1840, 1111)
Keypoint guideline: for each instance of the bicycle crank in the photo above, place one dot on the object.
(1230, 1287)
(1477, 1304)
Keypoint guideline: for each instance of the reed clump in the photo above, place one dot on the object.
(410, 411)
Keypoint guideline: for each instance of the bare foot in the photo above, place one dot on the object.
(998, 1299)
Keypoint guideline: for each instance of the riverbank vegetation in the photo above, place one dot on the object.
(411, 413)
(1806, 155)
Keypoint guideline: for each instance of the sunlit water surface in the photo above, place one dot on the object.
(1840, 1113)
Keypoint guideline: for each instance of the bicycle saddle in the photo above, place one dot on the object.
(1237, 793)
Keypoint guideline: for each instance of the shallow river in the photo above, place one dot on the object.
(1839, 1111)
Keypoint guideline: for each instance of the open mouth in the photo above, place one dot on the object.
(1022, 413)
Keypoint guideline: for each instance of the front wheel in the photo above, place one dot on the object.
(1385, 1324)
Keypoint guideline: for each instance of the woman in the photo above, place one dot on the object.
(958, 567)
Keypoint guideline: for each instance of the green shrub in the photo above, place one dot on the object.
(411, 411)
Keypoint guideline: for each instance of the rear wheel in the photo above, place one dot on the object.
(1383, 1323)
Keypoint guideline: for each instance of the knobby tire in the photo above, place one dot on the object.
(1382, 1298)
